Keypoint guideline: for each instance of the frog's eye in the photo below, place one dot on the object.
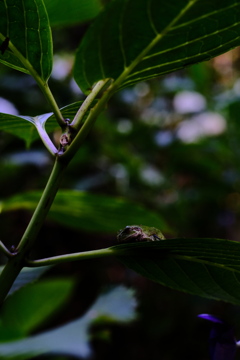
(135, 228)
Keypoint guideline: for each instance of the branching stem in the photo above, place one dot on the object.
(18, 260)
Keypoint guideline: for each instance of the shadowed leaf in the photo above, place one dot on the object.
(89, 212)
(206, 267)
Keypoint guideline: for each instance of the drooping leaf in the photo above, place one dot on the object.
(26, 276)
(206, 267)
(73, 338)
(26, 25)
(27, 127)
(89, 212)
(32, 306)
(62, 13)
(136, 40)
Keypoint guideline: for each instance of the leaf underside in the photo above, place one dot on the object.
(206, 267)
(142, 39)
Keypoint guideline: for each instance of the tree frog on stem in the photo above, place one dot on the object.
(135, 233)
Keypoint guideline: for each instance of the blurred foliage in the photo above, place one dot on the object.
(140, 149)
(114, 306)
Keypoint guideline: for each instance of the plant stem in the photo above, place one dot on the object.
(50, 98)
(17, 261)
(43, 85)
(91, 118)
(77, 121)
(71, 257)
(43, 206)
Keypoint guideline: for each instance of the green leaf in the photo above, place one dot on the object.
(135, 40)
(89, 212)
(32, 306)
(27, 127)
(20, 126)
(206, 267)
(73, 338)
(62, 13)
(26, 276)
(26, 24)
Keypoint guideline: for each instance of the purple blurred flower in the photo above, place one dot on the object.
(222, 342)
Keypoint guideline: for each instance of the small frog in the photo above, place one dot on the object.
(135, 233)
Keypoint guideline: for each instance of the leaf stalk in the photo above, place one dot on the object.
(78, 119)
(43, 85)
(71, 257)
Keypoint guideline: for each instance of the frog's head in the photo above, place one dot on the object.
(130, 234)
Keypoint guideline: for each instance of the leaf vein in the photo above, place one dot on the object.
(155, 40)
(121, 36)
(177, 61)
(150, 17)
(205, 16)
(217, 283)
(214, 33)
(189, 278)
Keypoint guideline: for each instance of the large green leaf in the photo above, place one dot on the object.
(32, 306)
(73, 338)
(62, 13)
(89, 212)
(142, 39)
(204, 267)
(26, 24)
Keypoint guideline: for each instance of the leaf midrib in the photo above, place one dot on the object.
(157, 38)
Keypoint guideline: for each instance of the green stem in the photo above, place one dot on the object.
(17, 261)
(43, 85)
(42, 207)
(77, 121)
(91, 118)
(71, 257)
(50, 98)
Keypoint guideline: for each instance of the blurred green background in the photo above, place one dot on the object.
(172, 145)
